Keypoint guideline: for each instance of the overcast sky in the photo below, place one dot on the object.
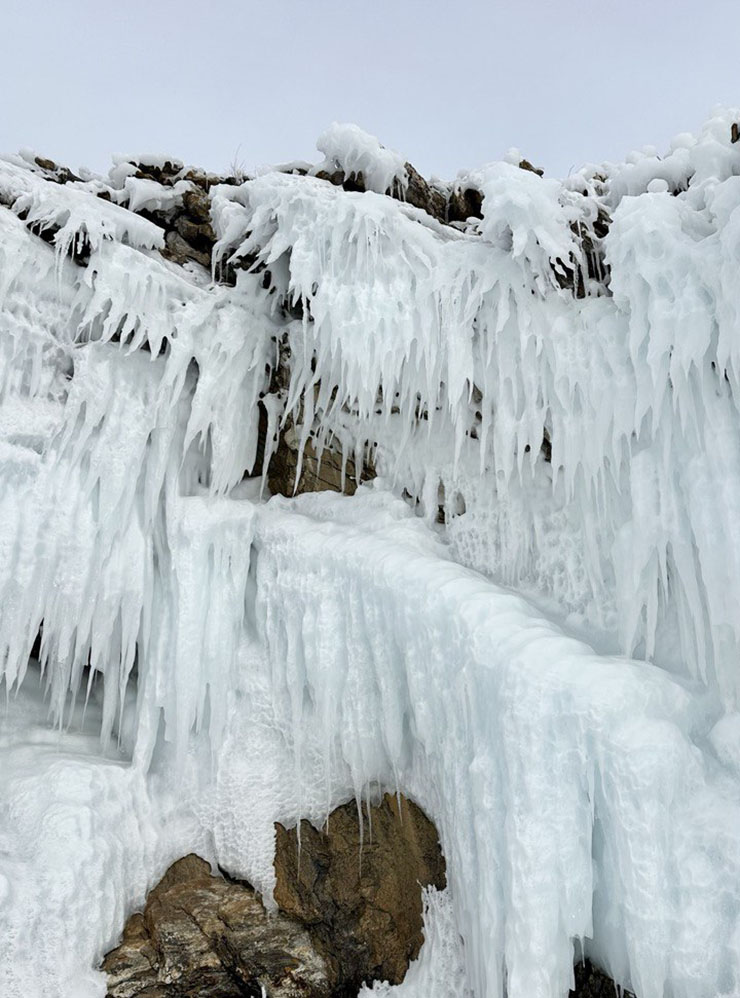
(449, 84)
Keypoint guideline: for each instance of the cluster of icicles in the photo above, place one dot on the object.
(130, 393)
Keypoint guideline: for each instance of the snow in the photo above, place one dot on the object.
(552, 674)
(348, 148)
(524, 214)
(151, 196)
(75, 215)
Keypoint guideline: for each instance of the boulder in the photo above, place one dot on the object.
(350, 911)
(203, 936)
(356, 886)
(180, 251)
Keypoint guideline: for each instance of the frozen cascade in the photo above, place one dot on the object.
(249, 661)
(566, 786)
(633, 389)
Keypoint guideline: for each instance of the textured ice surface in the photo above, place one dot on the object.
(439, 969)
(81, 832)
(635, 389)
(348, 148)
(244, 661)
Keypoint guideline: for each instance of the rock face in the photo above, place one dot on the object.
(348, 914)
(202, 936)
(360, 899)
(594, 983)
(350, 911)
(318, 473)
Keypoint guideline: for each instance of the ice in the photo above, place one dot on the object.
(77, 216)
(528, 624)
(556, 814)
(439, 969)
(630, 384)
(80, 833)
(526, 215)
(348, 148)
(151, 196)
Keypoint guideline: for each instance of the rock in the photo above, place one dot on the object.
(594, 983)
(197, 204)
(198, 234)
(418, 192)
(202, 936)
(350, 911)
(422, 195)
(46, 164)
(524, 164)
(464, 204)
(57, 174)
(317, 474)
(166, 173)
(180, 251)
(336, 177)
(357, 889)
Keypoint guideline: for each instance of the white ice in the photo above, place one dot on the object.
(552, 674)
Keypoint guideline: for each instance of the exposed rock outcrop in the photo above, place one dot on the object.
(355, 885)
(355, 915)
(202, 936)
(318, 472)
(350, 911)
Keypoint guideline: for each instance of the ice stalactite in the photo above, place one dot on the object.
(566, 395)
(457, 353)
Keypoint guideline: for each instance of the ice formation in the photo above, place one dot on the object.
(348, 148)
(552, 674)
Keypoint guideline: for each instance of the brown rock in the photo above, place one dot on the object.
(524, 164)
(422, 195)
(165, 173)
(336, 177)
(180, 251)
(57, 174)
(356, 887)
(46, 164)
(318, 473)
(464, 204)
(197, 204)
(198, 234)
(202, 936)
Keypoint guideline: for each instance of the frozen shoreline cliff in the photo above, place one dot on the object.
(527, 619)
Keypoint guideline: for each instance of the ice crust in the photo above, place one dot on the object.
(214, 662)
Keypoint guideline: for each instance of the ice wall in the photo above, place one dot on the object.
(456, 353)
(566, 396)
(571, 798)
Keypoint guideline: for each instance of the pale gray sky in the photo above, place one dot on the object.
(449, 84)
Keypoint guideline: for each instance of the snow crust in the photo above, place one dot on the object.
(214, 662)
